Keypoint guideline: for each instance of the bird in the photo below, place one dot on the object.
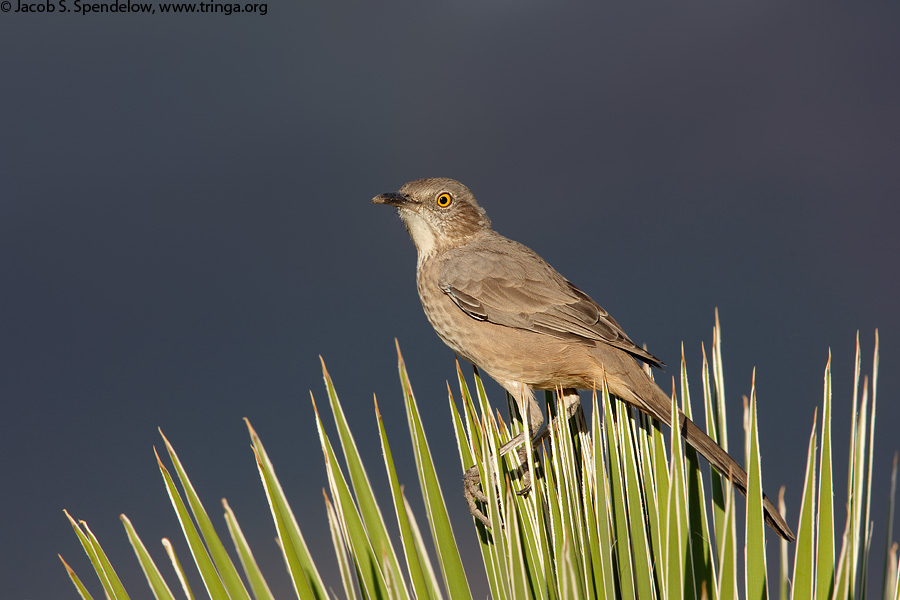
(503, 308)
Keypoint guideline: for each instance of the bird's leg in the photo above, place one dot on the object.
(543, 431)
(534, 418)
(569, 403)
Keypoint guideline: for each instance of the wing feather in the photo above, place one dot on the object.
(503, 282)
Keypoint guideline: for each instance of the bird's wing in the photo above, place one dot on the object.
(508, 284)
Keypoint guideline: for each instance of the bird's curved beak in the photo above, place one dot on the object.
(392, 199)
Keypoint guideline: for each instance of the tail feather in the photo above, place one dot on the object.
(726, 465)
(634, 387)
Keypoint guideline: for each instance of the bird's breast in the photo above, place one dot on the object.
(446, 318)
(505, 353)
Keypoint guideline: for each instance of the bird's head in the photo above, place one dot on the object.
(438, 213)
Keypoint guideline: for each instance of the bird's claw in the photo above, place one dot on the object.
(472, 492)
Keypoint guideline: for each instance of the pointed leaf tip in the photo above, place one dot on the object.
(166, 440)
(66, 565)
(253, 435)
(69, 517)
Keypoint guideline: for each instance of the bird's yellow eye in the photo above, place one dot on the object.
(444, 200)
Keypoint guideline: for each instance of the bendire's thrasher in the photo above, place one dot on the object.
(503, 308)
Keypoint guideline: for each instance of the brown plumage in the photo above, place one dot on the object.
(502, 307)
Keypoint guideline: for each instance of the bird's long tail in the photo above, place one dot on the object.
(726, 465)
(647, 396)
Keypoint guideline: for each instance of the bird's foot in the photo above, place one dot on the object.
(472, 492)
(472, 486)
(526, 472)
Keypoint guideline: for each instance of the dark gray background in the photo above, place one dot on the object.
(185, 226)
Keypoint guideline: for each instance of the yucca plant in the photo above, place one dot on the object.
(619, 508)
